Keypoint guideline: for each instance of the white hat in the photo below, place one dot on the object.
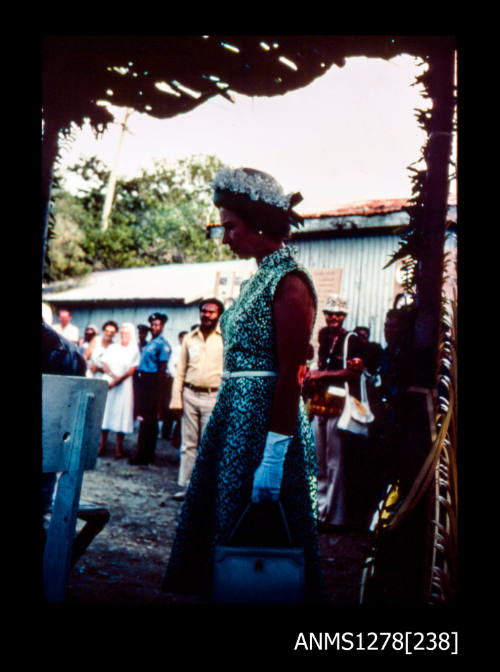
(335, 304)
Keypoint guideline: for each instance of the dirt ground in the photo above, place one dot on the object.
(125, 563)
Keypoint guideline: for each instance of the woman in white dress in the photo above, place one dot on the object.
(97, 348)
(119, 362)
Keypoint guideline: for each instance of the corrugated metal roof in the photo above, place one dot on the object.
(367, 208)
(361, 214)
(368, 216)
(372, 207)
(177, 282)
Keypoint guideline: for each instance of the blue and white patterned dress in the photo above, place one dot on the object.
(233, 443)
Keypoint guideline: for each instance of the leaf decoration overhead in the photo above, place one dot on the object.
(167, 75)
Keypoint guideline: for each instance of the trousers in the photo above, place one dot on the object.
(149, 387)
(330, 449)
(197, 409)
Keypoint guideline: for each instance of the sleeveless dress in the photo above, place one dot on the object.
(233, 443)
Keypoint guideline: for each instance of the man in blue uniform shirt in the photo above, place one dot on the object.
(151, 374)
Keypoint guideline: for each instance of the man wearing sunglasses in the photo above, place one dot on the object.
(330, 441)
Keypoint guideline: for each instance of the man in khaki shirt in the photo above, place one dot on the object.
(196, 382)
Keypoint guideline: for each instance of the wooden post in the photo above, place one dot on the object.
(420, 420)
(108, 203)
(429, 272)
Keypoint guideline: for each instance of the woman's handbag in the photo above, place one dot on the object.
(258, 574)
(326, 402)
(357, 415)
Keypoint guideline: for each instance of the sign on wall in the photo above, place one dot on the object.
(228, 284)
(326, 281)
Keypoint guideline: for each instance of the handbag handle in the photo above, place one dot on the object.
(346, 339)
(362, 382)
(283, 518)
(351, 333)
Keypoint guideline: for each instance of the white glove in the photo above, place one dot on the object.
(268, 475)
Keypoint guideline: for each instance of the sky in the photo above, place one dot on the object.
(348, 136)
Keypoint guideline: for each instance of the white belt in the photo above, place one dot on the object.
(249, 374)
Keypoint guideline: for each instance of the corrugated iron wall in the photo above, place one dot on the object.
(367, 287)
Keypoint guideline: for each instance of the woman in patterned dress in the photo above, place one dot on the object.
(258, 444)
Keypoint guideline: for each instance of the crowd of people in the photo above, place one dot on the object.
(254, 406)
(168, 391)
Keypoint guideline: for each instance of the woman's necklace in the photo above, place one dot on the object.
(330, 352)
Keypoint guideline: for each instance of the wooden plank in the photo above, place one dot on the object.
(59, 403)
(72, 408)
(61, 533)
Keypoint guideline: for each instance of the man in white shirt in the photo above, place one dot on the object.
(196, 383)
(65, 327)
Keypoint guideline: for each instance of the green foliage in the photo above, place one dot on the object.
(157, 218)
(66, 254)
